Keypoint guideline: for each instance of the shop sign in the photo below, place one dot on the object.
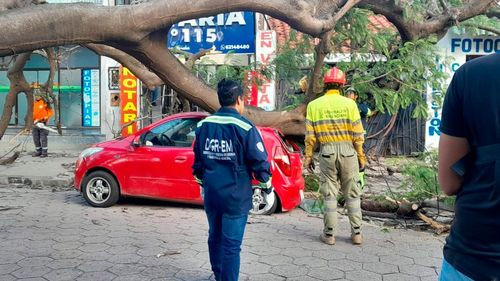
(230, 32)
(265, 53)
(475, 45)
(91, 106)
(128, 101)
(457, 51)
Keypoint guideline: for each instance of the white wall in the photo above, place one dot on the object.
(455, 49)
(110, 115)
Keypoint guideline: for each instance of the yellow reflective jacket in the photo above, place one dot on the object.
(334, 118)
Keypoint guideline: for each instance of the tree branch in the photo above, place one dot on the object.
(101, 25)
(411, 29)
(150, 79)
(483, 27)
(18, 84)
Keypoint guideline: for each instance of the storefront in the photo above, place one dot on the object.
(455, 50)
(76, 86)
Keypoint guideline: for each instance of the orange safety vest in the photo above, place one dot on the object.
(41, 112)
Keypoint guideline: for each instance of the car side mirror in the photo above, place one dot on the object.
(136, 142)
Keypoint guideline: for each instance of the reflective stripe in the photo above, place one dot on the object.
(343, 133)
(331, 121)
(226, 120)
(199, 181)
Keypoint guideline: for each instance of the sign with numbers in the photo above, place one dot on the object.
(230, 32)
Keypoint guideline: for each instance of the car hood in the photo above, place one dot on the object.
(115, 143)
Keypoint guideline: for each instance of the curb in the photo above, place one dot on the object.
(37, 182)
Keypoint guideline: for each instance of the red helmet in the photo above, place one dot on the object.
(334, 75)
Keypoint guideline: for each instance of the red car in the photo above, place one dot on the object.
(156, 163)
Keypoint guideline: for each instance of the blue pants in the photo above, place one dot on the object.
(225, 234)
(449, 273)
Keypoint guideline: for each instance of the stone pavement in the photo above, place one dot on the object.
(53, 172)
(48, 235)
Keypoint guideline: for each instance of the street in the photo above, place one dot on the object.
(48, 235)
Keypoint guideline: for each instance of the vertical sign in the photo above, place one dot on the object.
(265, 53)
(250, 88)
(128, 100)
(91, 109)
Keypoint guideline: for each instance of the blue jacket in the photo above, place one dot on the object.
(229, 152)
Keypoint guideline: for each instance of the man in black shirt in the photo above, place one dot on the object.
(469, 167)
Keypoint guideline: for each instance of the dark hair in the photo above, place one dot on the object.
(332, 86)
(228, 92)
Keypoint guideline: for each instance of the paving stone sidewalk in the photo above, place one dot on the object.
(48, 235)
(54, 172)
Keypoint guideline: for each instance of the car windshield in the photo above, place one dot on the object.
(178, 133)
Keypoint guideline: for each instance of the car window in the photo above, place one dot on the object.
(175, 133)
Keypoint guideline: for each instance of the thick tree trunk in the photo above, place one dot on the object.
(145, 39)
(18, 84)
(48, 87)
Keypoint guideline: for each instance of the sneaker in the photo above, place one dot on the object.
(37, 153)
(327, 239)
(357, 239)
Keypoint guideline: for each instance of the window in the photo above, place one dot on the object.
(175, 133)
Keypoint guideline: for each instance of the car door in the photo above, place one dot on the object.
(165, 157)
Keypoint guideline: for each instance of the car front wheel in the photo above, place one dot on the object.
(262, 203)
(100, 189)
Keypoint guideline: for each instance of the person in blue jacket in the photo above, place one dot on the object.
(229, 152)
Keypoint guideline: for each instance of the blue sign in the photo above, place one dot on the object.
(91, 111)
(231, 32)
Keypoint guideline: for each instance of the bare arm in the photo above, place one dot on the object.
(451, 149)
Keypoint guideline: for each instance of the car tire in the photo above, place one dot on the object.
(264, 208)
(100, 189)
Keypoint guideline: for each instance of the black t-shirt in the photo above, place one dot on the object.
(471, 110)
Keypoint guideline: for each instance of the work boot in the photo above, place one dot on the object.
(37, 153)
(327, 239)
(44, 153)
(357, 239)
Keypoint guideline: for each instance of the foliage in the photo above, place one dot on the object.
(208, 70)
(388, 74)
(311, 183)
(420, 181)
(475, 26)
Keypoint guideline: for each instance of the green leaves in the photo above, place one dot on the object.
(395, 75)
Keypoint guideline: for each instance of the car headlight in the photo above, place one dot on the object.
(90, 151)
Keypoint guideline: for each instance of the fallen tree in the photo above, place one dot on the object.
(61, 24)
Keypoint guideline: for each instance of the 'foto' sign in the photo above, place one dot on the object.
(128, 100)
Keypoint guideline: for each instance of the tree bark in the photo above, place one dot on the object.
(411, 29)
(150, 79)
(145, 36)
(49, 88)
(18, 84)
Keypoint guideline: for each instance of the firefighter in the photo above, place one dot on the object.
(333, 120)
(229, 152)
(364, 110)
(41, 114)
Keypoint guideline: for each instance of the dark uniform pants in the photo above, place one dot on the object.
(40, 139)
(340, 172)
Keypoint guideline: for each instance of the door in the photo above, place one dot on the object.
(164, 158)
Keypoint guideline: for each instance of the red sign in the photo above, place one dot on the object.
(128, 101)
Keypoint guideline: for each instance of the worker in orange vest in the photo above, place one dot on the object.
(41, 114)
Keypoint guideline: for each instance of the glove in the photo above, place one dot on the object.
(266, 186)
(309, 164)
(199, 181)
(362, 180)
(362, 163)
